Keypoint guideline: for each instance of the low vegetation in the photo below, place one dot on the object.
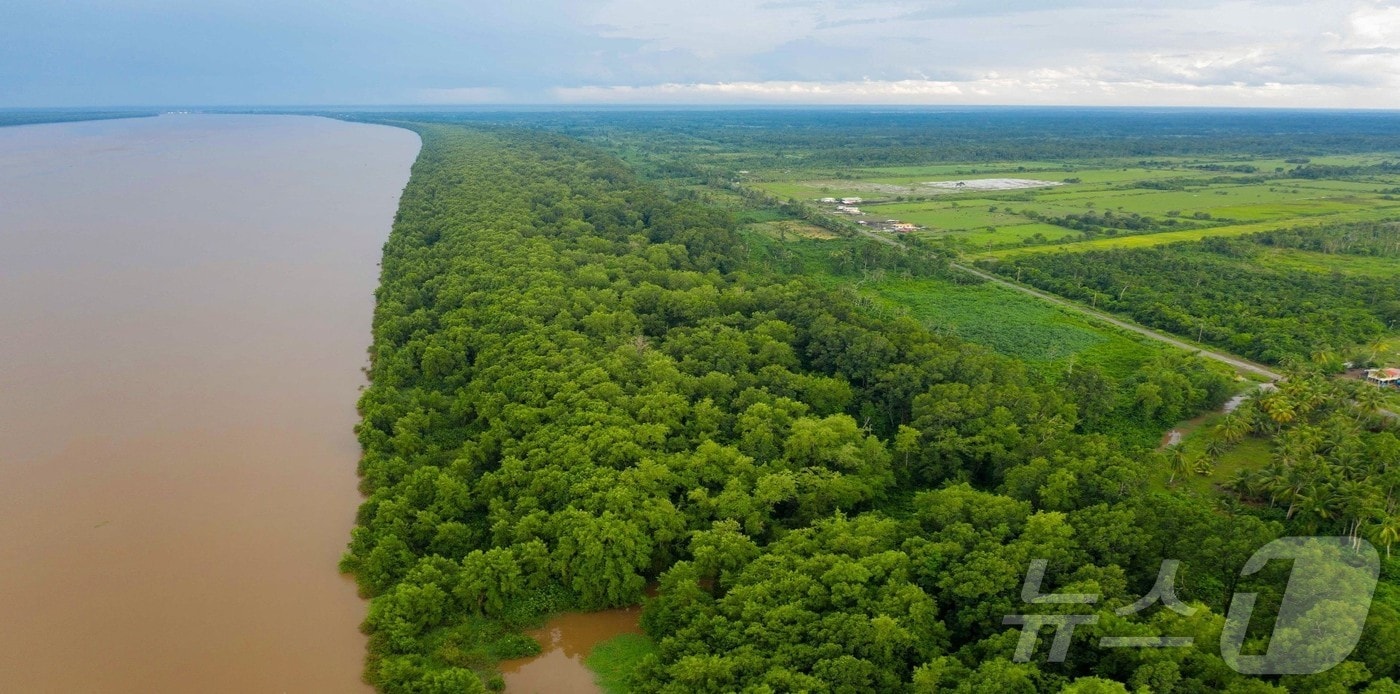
(616, 660)
(1225, 292)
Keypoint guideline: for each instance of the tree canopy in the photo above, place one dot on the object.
(582, 386)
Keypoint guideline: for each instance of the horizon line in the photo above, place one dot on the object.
(736, 106)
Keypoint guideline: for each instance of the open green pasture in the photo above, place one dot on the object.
(1369, 214)
(1001, 236)
(1017, 325)
(950, 215)
(935, 171)
(1294, 259)
(1249, 454)
(1206, 197)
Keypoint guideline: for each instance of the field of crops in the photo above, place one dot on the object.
(1378, 213)
(1103, 204)
(1294, 259)
(1273, 297)
(1016, 324)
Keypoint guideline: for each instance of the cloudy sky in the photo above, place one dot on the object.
(1310, 53)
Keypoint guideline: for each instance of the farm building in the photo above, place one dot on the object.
(1384, 377)
(904, 227)
(852, 201)
(828, 200)
(847, 209)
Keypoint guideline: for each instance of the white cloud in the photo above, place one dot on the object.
(1377, 24)
(903, 91)
(726, 28)
(1046, 87)
(1322, 53)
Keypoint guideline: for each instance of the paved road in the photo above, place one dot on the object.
(1236, 362)
(1233, 361)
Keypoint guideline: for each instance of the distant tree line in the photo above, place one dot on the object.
(1380, 239)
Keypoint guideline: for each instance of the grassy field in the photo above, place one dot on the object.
(789, 228)
(614, 660)
(1003, 320)
(1185, 199)
(1017, 325)
(1293, 259)
(1390, 211)
(980, 239)
(1249, 454)
(957, 216)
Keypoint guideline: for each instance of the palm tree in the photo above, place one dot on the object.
(1180, 462)
(1290, 451)
(1216, 447)
(1234, 428)
(1280, 409)
(1317, 503)
(1388, 532)
(1368, 398)
(1300, 484)
(1274, 481)
(1356, 502)
(1326, 359)
(1341, 431)
(1304, 395)
(1245, 482)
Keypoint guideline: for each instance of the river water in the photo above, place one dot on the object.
(565, 644)
(185, 305)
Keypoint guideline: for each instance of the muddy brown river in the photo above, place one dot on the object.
(565, 644)
(185, 305)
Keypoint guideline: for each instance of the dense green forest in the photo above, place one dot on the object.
(583, 384)
(1217, 291)
(845, 138)
(34, 116)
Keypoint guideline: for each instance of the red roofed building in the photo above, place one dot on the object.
(1384, 377)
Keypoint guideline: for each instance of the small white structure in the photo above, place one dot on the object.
(828, 200)
(847, 209)
(852, 201)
